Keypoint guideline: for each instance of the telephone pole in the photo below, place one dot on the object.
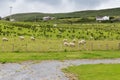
(11, 12)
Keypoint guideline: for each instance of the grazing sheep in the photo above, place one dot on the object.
(66, 44)
(32, 38)
(21, 37)
(54, 25)
(4, 39)
(65, 40)
(72, 44)
(81, 42)
(74, 40)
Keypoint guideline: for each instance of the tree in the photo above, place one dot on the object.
(0, 18)
(7, 19)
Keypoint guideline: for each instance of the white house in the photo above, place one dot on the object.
(103, 18)
(47, 18)
(12, 20)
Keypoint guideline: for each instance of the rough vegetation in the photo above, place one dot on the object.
(97, 31)
(44, 36)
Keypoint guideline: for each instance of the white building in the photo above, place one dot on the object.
(103, 18)
(47, 18)
(12, 20)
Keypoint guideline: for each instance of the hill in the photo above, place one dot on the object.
(77, 14)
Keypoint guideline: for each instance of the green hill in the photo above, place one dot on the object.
(77, 14)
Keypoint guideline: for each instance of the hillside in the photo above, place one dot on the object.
(89, 13)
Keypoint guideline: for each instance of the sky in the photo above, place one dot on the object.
(53, 6)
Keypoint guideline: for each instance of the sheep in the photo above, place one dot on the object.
(65, 40)
(54, 25)
(66, 44)
(74, 40)
(4, 39)
(32, 38)
(72, 44)
(21, 37)
(82, 42)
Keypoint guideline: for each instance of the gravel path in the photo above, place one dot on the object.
(45, 70)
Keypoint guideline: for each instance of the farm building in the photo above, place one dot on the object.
(12, 20)
(47, 18)
(102, 18)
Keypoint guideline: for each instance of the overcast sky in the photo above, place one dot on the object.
(54, 6)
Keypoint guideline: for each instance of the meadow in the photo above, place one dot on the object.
(94, 72)
(49, 37)
(102, 41)
(11, 57)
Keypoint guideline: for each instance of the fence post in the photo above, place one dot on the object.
(61, 47)
(78, 46)
(26, 47)
(12, 47)
(106, 46)
(119, 46)
(3, 47)
(91, 46)
(98, 46)
(84, 46)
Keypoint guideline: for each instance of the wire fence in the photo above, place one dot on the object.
(56, 47)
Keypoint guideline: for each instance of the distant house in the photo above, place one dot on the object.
(48, 18)
(102, 18)
(12, 20)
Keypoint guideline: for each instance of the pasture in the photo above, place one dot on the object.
(9, 57)
(54, 45)
(48, 37)
(101, 39)
(94, 72)
(46, 30)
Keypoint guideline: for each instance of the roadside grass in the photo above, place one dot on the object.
(7, 57)
(94, 72)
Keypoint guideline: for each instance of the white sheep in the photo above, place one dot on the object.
(74, 40)
(65, 40)
(4, 39)
(21, 37)
(81, 42)
(32, 38)
(54, 25)
(72, 44)
(66, 44)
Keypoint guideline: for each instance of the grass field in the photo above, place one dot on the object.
(95, 72)
(18, 56)
(45, 45)
(98, 36)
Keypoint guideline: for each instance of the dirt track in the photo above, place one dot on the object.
(45, 70)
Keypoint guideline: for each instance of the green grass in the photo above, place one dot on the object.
(95, 72)
(51, 45)
(26, 56)
(97, 31)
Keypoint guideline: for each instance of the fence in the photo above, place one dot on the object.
(56, 47)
